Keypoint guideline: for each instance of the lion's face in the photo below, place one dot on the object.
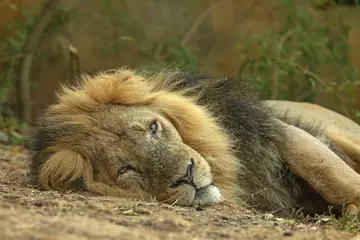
(137, 150)
(121, 135)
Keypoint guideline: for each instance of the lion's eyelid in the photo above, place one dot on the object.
(110, 134)
(137, 127)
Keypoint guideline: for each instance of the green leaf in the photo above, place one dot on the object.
(126, 38)
(4, 137)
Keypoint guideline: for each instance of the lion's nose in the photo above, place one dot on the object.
(190, 170)
(188, 177)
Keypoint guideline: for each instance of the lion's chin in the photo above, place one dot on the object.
(207, 195)
(187, 195)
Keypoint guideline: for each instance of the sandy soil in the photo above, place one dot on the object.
(27, 213)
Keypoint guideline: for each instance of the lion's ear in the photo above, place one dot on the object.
(64, 169)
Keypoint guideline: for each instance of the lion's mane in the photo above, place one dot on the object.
(194, 122)
(222, 119)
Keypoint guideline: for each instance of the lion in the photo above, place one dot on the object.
(177, 137)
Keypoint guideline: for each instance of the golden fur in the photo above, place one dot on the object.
(213, 139)
(62, 163)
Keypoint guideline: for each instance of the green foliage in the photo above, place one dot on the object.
(285, 65)
(60, 18)
(345, 222)
(62, 15)
(348, 222)
(357, 113)
(292, 60)
(12, 40)
(170, 53)
(153, 54)
(11, 132)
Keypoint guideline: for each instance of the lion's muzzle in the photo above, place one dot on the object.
(188, 178)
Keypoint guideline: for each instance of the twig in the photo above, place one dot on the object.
(8, 79)
(158, 49)
(243, 65)
(10, 58)
(74, 60)
(8, 3)
(29, 49)
(304, 95)
(74, 64)
(255, 193)
(175, 202)
(319, 80)
(279, 46)
(252, 6)
(200, 19)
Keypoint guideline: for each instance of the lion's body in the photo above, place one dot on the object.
(222, 121)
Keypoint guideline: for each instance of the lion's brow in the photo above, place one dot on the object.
(109, 133)
(137, 127)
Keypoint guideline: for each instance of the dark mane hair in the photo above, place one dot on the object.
(265, 177)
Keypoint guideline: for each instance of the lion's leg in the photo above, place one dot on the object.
(350, 146)
(326, 173)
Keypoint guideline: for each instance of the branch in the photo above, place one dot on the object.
(74, 60)
(10, 58)
(8, 3)
(321, 82)
(74, 64)
(254, 4)
(29, 49)
(200, 19)
(9, 77)
(279, 46)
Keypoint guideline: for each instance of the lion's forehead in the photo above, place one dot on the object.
(123, 116)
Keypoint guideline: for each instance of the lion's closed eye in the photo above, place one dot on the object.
(125, 172)
(124, 169)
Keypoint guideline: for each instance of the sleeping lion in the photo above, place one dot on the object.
(181, 138)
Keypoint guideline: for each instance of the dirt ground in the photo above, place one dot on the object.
(27, 213)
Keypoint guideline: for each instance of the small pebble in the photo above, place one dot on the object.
(130, 212)
(199, 208)
(39, 204)
(268, 216)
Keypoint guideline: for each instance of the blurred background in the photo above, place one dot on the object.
(300, 50)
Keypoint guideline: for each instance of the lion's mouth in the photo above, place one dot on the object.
(189, 179)
(183, 181)
(191, 183)
(205, 195)
(200, 193)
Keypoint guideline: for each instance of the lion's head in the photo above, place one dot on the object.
(125, 135)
